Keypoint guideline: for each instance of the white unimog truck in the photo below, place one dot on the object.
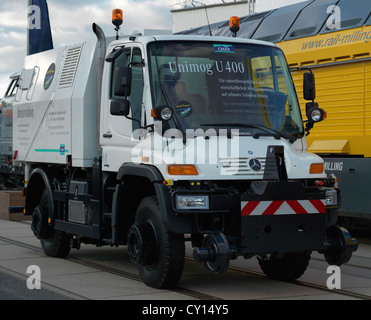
(152, 141)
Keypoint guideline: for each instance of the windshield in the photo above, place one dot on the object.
(243, 86)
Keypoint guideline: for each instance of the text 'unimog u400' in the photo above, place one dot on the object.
(152, 141)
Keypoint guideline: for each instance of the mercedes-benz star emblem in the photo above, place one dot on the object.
(255, 164)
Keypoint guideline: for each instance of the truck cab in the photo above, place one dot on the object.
(155, 141)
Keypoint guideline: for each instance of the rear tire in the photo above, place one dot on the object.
(288, 267)
(55, 243)
(165, 267)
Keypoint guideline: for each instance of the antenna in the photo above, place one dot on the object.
(208, 22)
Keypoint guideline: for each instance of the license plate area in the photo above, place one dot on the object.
(283, 233)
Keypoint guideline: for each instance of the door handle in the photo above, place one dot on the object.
(107, 135)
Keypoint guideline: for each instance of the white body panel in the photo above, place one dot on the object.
(55, 107)
(55, 117)
(155, 150)
(217, 158)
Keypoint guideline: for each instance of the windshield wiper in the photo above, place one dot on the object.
(281, 134)
(268, 131)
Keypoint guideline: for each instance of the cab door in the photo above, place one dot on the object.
(118, 132)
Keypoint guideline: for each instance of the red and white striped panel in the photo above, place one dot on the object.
(270, 208)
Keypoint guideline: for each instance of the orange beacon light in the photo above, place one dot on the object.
(234, 25)
(117, 17)
(117, 20)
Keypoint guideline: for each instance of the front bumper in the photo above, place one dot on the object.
(267, 217)
(282, 233)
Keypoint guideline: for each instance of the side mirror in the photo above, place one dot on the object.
(314, 113)
(120, 107)
(122, 82)
(309, 86)
(115, 54)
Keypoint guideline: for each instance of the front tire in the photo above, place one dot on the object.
(288, 267)
(163, 268)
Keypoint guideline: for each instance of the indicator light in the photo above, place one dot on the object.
(182, 170)
(316, 168)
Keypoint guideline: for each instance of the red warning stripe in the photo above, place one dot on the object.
(249, 208)
(273, 207)
(269, 208)
(319, 205)
(297, 207)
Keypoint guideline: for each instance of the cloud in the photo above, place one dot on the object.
(71, 22)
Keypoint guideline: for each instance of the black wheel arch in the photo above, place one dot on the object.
(38, 182)
(137, 181)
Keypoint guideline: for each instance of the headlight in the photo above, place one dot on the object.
(331, 197)
(163, 113)
(316, 115)
(192, 202)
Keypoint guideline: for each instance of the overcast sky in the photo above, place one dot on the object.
(71, 22)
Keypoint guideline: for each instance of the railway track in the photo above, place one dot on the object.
(312, 285)
(195, 294)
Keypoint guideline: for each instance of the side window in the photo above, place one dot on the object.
(132, 58)
(12, 88)
(122, 61)
(136, 97)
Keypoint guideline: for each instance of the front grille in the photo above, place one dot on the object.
(240, 166)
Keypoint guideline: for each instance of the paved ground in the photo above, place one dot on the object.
(79, 278)
(13, 288)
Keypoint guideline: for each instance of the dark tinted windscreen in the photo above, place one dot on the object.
(208, 83)
(275, 26)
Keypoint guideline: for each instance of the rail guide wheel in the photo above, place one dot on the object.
(340, 245)
(214, 252)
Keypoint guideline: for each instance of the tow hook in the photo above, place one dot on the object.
(339, 245)
(214, 252)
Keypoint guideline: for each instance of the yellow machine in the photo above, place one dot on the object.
(341, 62)
(333, 39)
